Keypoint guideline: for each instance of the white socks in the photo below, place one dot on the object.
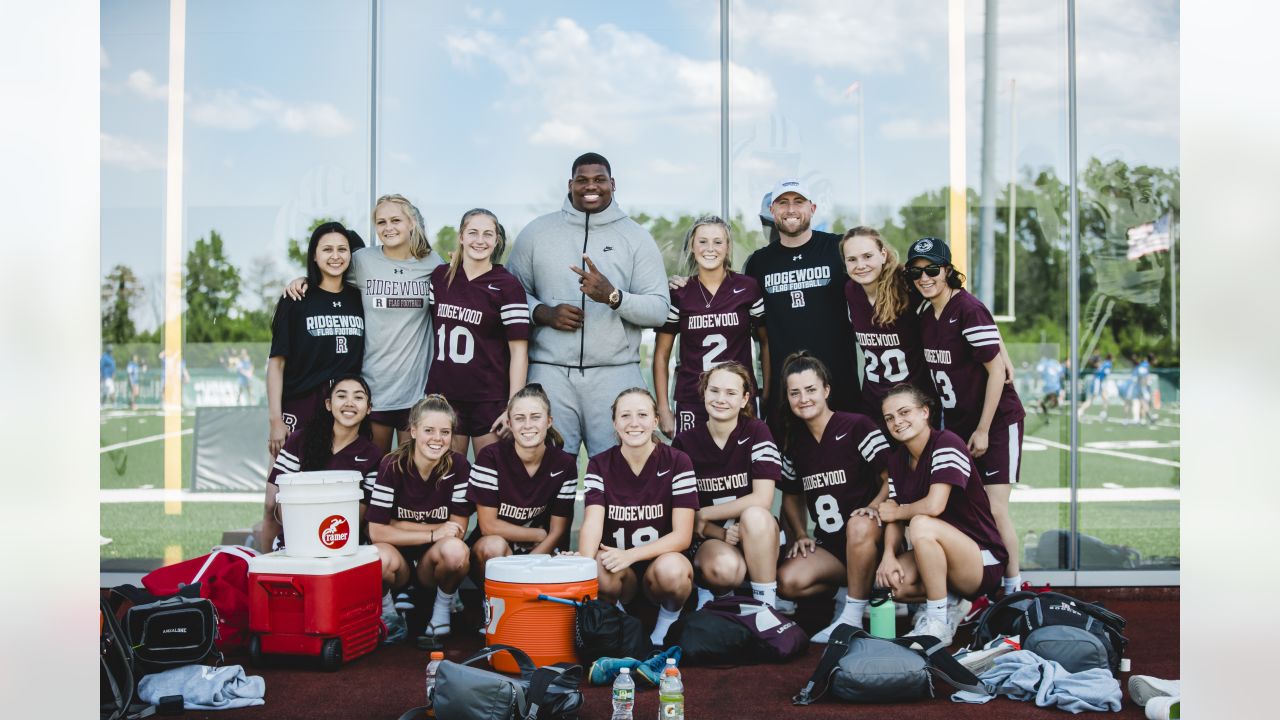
(704, 597)
(388, 604)
(937, 610)
(1012, 584)
(666, 618)
(766, 593)
(441, 611)
(852, 612)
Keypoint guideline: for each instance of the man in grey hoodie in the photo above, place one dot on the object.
(594, 278)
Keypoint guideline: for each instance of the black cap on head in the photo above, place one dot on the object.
(930, 248)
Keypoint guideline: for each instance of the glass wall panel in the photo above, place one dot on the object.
(276, 137)
(1129, 337)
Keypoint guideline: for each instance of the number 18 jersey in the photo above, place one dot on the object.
(638, 507)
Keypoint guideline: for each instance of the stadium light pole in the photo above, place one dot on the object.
(1073, 293)
(172, 366)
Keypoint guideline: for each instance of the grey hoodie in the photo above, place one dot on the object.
(623, 251)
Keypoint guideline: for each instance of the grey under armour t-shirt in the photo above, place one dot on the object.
(397, 325)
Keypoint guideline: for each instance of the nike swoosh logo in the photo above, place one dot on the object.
(841, 437)
(446, 477)
(738, 290)
(556, 473)
(493, 288)
(743, 440)
(664, 472)
(993, 472)
(360, 459)
(952, 320)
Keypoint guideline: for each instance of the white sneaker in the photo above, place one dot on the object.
(956, 613)
(1143, 688)
(935, 628)
(823, 636)
(704, 597)
(785, 606)
(1164, 708)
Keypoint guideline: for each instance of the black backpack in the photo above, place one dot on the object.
(119, 683)
(167, 632)
(600, 629)
(1077, 634)
(736, 630)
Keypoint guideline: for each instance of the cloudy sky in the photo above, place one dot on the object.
(487, 104)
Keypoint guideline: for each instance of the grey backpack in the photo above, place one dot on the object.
(1076, 634)
(861, 668)
(465, 692)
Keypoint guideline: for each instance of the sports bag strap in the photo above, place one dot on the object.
(240, 551)
(837, 646)
(522, 660)
(543, 678)
(943, 664)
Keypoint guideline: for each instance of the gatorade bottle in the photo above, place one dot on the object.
(624, 695)
(670, 694)
(436, 658)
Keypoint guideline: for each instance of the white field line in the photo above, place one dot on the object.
(143, 441)
(158, 495)
(1112, 453)
(1063, 495)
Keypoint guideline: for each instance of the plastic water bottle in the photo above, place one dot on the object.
(624, 695)
(670, 693)
(432, 667)
(884, 618)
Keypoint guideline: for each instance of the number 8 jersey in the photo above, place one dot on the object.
(892, 354)
(956, 346)
(837, 474)
(638, 507)
(474, 321)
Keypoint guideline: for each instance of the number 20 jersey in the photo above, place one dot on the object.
(892, 353)
(637, 508)
(838, 474)
(956, 346)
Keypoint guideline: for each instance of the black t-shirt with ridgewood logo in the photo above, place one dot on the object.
(320, 336)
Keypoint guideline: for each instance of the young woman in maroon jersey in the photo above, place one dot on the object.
(481, 316)
(962, 349)
(418, 510)
(336, 438)
(524, 486)
(737, 466)
(715, 315)
(833, 467)
(313, 338)
(884, 321)
(956, 547)
(641, 496)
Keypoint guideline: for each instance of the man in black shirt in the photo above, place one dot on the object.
(802, 276)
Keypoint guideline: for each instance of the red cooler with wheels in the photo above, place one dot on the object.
(329, 607)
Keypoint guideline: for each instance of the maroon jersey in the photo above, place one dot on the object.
(725, 473)
(892, 353)
(499, 480)
(955, 347)
(638, 507)
(406, 496)
(361, 455)
(946, 459)
(838, 474)
(474, 320)
(712, 329)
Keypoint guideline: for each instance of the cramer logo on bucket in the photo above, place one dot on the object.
(334, 531)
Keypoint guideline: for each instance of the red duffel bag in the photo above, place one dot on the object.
(224, 579)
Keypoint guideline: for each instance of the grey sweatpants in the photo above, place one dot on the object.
(582, 400)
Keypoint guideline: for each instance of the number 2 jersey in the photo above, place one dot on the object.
(725, 473)
(474, 320)
(838, 474)
(892, 354)
(713, 329)
(638, 507)
(946, 459)
(956, 346)
(499, 480)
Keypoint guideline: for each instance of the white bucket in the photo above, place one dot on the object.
(320, 512)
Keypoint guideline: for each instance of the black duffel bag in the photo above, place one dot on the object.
(600, 629)
(168, 632)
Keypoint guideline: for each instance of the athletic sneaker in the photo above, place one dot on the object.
(650, 670)
(1164, 708)
(1142, 688)
(976, 608)
(604, 670)
(936, 628)
(404, 602)
(957, 612)
(823, 636)
(785, 606)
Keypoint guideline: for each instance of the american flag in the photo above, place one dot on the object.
(1149, 238)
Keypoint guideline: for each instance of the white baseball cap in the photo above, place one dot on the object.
(787, 185)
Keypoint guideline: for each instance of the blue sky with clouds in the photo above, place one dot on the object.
(485, 103)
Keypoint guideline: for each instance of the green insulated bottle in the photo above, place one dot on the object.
(884, 620)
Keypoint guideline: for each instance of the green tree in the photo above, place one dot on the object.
(446, 242)
(212, 289)
(120, 290)
(297, 247)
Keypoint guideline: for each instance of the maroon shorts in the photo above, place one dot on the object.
(834, 544)
(398, 419)
(299, 411)
(689, 414)
(1001, 464)
(992, 577)
(476, 417)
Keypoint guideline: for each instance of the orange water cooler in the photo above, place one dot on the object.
(515, 616)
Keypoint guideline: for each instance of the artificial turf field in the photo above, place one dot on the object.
(1119, 459)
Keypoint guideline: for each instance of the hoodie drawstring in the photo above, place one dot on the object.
(582, 339)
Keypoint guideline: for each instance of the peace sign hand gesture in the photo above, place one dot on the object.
(593, 282)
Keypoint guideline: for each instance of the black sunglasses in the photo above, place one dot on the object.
(914, 273)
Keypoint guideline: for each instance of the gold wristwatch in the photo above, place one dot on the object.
(615, 298)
